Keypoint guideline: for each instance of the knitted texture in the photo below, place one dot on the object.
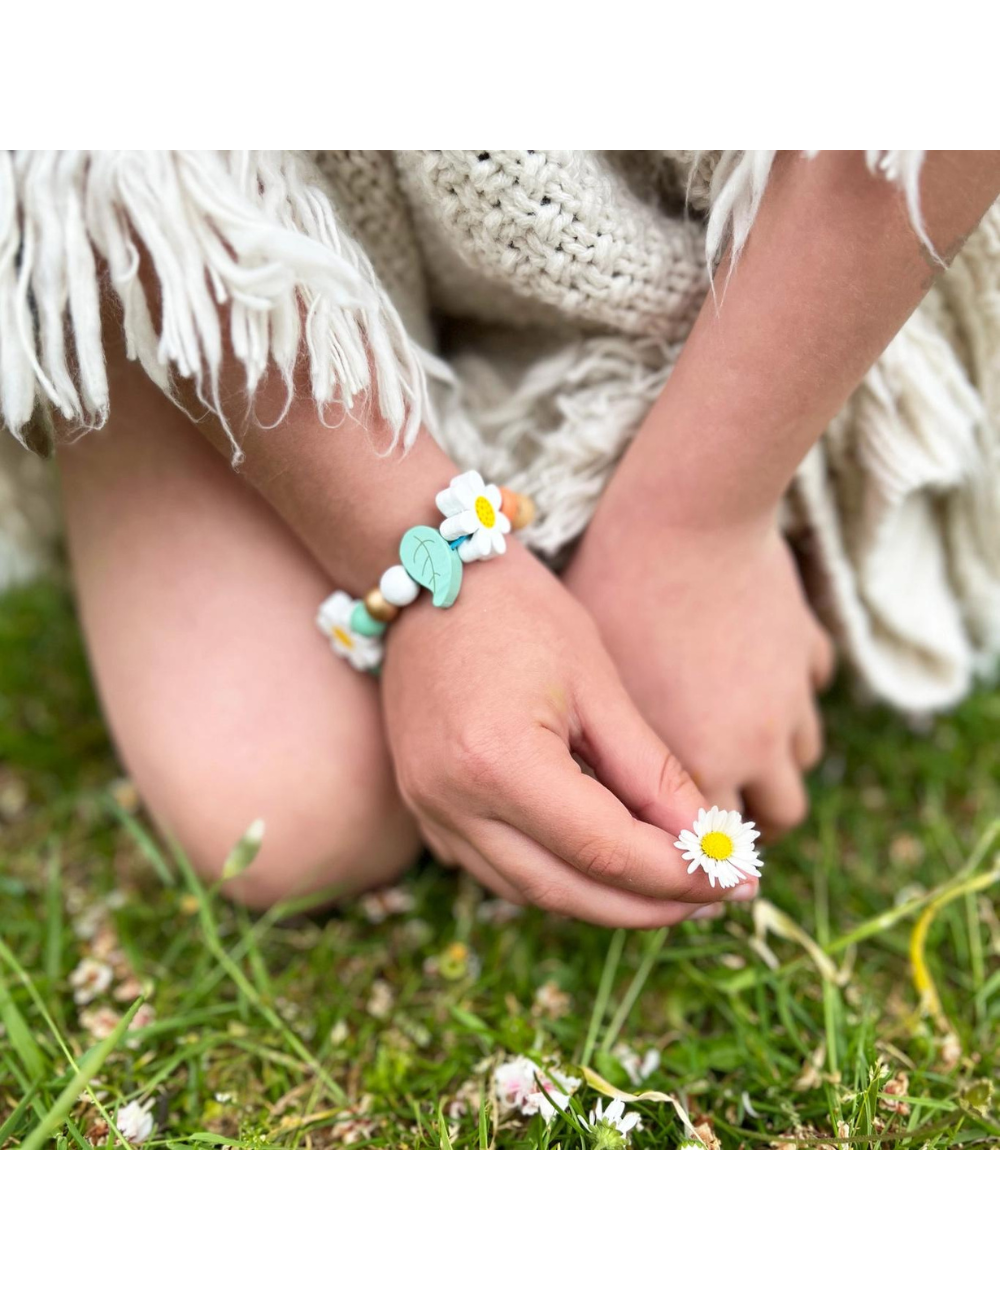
(527, 306)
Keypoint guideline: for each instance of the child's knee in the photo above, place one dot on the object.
(330, 828)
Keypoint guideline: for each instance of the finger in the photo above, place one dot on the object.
(823, 659)
(778, 802)
(582, 823)
(630, 759)
(549, 883)
(440, 847)
(726, 797)
(807, 742)
(488, 876)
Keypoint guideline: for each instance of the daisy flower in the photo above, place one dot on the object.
(134, 1122)
(610, 1128)
(638, 1068)
(99, 1022)
(472, 511)
(523, 1086)
(722, 845)
(334, 618)
(89, 980)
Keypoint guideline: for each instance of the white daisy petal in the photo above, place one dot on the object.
(467, 487)
(492, 494)
(447, 502)
(459, 525)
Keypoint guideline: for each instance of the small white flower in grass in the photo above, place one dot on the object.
(90, 979)
(378, 904)
(134, 1122)
(610, 1129)
(637, 1068)
(334, 618)
(472, 510)
(514, 1082)
(532, 1089)
(722, 845)
(99, 1022)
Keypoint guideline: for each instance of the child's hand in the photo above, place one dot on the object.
(486, 703)
(714, 641)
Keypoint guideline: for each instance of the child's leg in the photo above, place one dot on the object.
(224, 700)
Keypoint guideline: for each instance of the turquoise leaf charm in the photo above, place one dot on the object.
(430, 561)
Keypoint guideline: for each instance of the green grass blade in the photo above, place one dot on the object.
(653, 949)
(145, 842)
(445, 1138)
(603, 994)
(20, 1035)
(90, 1063)
(53, 919)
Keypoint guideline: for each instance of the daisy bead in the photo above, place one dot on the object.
(473, 517)
(398, 587)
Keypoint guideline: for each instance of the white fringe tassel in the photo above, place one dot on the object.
(741, 177)
(246, 230)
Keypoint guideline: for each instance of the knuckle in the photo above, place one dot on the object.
(545, 894)
(607, 860)
(695, 889)
(672, 778)
(422, 790)
(476, 760)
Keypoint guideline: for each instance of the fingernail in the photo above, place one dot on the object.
(709, 912)
(744, 893)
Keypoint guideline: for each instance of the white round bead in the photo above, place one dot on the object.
(398, 587)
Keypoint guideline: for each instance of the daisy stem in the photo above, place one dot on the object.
(653, 949)
(603, 993)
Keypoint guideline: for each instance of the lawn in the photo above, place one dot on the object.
(856, 1007)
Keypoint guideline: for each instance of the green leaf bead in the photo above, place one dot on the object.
(363, 623)
(431, 562)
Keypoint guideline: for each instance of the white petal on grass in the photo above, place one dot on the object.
(134, 1122)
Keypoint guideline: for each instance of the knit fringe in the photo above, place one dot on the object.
(557, 429)
(741, 177)
(902, 496)
(245, 231)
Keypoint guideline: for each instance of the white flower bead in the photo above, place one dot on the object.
(334, 618)
(398, 587)
(472, 513)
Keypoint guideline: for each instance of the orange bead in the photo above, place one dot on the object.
(518, 508)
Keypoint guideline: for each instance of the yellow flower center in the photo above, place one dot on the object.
(485, 513)
(716, 844)
(345, 640)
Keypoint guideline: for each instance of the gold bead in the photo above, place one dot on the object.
(377, 605)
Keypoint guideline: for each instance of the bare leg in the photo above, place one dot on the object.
(225, 703)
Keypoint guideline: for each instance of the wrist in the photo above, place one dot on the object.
(370, 512)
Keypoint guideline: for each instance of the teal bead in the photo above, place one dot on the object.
(363, 623)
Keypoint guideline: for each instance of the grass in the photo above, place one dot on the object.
(858, 1007)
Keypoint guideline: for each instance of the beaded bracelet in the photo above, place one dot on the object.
(477, 517)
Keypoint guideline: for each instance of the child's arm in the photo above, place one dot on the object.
(486, 703)
(712, 636)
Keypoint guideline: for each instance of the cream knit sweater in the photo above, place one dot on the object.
(527, 306)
